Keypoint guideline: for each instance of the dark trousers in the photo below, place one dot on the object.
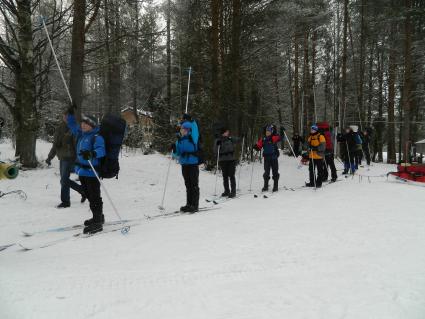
(358, 158)
(316, 165)
(65, 168)
(349, 162)
(297, 149)
(228, 168)
(329, 163)
(91, 188)
(366, 152)
(191, 180)
(273, 165)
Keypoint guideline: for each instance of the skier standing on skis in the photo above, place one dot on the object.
(90, 147)
(186, 149)
(348, 148)
(358, 155)
(269, 144)
(317, 146)
(64, 148)
(329, 161)
(224, 148)
(366, 142)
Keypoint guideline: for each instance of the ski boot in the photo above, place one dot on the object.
(93, 228)
(63, 205)
(90, 221)
(266, 185)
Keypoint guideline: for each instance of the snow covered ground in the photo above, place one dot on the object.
(354, 249)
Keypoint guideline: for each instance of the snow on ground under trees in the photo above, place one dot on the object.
(354, 249)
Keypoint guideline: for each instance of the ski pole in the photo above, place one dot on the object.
(125, 229)
(240, 164)
(56, 59)
(161, 207)
(314, 169)
(216, 171)
(290, 146)
(252, 174)
(188, 89)
(349, 157)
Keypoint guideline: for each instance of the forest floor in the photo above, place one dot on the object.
(353, 249)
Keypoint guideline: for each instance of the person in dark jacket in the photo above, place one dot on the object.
(317, 147)
(329, 159)
(224, 147)
(90, 147)
(64, 148)
(366, 145)
(269, 144)
(298, 143)
(348, 148)
(186, 150)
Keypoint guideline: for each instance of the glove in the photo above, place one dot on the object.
(172, 148)
(48, 162)
(218, 143)
(71, 109)
(314, 148)
(282, 130)
(187, 117)
(88, 155)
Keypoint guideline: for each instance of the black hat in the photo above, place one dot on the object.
(89, 120)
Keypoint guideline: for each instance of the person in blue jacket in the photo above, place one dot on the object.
(90, 147)
(269, 144)
(186, 150)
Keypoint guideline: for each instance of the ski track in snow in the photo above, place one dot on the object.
(353, 249)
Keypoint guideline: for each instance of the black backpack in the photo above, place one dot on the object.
(113, 129)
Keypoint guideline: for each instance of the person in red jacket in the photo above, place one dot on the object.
(269, 144)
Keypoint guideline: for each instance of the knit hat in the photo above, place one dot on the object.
(270, 128)
(187, 126)
(89, 120)
(314, 128)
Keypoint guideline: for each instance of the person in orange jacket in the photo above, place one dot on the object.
(317, 145)
(269, 144)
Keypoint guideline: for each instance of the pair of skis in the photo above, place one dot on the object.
(107, 229)
(179, 213)
(111, 226)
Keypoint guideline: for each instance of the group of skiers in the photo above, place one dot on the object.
(81, 148)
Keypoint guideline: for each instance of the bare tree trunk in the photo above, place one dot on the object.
(169, 55)
(370, 87)
(113, 49)
(362, 64)
(296, 112)
(77, 54)
(380, 126)
(391, 99)
(307, 93)
(313, 76)
(214, 55)
(136, 64)
(235, 60)
(344, 62)
(407, 86)
(25, 114)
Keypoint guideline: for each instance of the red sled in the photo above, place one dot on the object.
(413, 173)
